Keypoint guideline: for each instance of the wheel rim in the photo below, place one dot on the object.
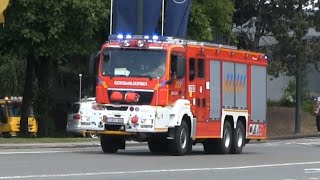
(93, 135)
(240, 137)
(183, 138)
(227, 138)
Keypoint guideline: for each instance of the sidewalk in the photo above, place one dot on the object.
(60, 145)
(129, 143)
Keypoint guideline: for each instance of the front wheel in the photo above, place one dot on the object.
(180, 144)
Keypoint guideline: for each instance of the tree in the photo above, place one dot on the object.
(294, 52)
(45, 32)
(208, 17)
(256, 18)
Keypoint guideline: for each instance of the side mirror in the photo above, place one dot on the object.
(93, 63)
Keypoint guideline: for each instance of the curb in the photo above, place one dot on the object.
(130, 143)
(60, 145)
(293, 136)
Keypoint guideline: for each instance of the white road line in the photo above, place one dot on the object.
(312, 170)
(157, 171)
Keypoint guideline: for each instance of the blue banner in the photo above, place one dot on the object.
(176, 18)
(125, 17)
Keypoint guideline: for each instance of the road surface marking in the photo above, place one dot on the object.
(312, 170)
(156, 171)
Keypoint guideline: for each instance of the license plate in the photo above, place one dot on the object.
(85, 123)
(115, 120)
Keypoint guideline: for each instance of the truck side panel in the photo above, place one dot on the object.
(241, 86)
(257, 126)
(215, 90)
(258, 94)
(228, 95)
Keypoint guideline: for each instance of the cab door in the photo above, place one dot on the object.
(197, 87)
(176, 81)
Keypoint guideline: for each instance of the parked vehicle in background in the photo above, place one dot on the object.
(84, 116)
(10, 113)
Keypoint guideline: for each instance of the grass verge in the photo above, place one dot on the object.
(14, 140)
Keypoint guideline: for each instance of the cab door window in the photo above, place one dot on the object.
(192, 69)
(200, 68)
(3, 115)
(177, 66)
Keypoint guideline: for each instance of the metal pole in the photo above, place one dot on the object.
(111, 16)
(298, 102)
(162, 18)
(80, 75)
(140, 17)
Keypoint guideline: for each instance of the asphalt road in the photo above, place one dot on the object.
(276, 160)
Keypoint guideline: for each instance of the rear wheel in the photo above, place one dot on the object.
(224, 144)
(110, 144)
(238, 140)
(180, 144)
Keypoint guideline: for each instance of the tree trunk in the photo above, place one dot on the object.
(298, 102)
(42, 69)
(259, 26)
(27, 97)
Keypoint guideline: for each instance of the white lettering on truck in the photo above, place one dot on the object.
(130, 83)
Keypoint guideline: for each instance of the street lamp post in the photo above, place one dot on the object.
(80, 75)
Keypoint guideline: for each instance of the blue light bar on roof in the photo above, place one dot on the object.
(155, 37)
(128, 36)
(118, 37)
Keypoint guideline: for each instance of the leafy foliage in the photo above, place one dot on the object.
(208, 17)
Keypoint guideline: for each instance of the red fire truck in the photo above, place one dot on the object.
(175, 93)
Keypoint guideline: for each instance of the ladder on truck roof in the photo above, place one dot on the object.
(192, 42)
(168, 39)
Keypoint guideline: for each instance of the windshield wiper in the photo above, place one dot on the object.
(147, 76)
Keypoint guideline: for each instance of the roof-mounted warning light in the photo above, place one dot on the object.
(121, 37)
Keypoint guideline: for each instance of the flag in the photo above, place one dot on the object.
(126, 16)
(176, 18)
(151, 15)
(3, 7)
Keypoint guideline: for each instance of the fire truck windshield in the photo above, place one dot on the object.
(133, 63)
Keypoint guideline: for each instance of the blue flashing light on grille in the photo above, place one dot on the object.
(266, 57)
(120, 36)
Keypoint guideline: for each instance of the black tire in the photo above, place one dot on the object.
(157, 145)
(109, 144)
(224, 144)
(180, 144)
(238, 139)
